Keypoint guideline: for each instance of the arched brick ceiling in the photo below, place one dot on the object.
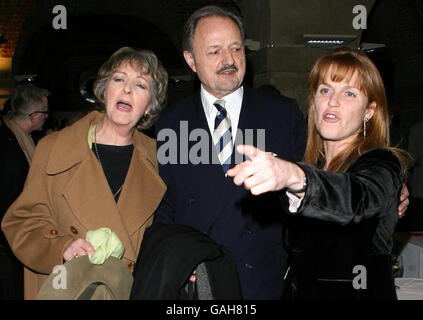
(96, 29)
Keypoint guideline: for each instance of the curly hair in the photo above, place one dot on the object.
(148, 63)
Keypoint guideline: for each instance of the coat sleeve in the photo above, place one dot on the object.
(29, 224)
(371, 184)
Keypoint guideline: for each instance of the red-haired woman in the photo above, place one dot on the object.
(343, 198)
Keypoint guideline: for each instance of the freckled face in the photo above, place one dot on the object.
(219, 57)
(127, 96)
(340, 108)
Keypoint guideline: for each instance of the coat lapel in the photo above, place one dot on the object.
(88, 193)
(143, 188)
(91, 201)
(227, 186)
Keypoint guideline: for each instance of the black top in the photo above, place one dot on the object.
(345, 220)
(115, 162)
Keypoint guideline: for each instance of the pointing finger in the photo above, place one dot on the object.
(250, 151)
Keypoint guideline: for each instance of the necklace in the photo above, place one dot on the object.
(99, 160)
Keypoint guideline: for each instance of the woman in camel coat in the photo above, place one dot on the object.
(99, 172)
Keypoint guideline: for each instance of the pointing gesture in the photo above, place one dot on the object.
(264, 172)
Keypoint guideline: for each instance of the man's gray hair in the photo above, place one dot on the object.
(204, 12)
(25, 98)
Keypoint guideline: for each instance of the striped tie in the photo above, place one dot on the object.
(222, 135)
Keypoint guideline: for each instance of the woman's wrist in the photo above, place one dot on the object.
(298, 181)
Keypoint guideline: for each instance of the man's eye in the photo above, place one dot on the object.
(350, 94)
(324, 90)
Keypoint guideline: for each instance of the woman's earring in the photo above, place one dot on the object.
(365, 125)
(145, 116)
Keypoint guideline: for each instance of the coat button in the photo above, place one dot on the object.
(73, 230)
(53, 232)
(248, 266)
(131, 266)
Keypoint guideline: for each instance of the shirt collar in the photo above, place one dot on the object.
(233, 100)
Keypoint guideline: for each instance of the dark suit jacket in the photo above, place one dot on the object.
(13, 169)
(200, 196)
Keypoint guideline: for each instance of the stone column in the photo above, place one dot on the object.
(279, 31)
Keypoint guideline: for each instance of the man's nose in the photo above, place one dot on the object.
(228, 58)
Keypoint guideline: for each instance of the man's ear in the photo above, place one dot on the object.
(189, 58)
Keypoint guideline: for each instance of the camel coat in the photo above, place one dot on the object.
(66, 194)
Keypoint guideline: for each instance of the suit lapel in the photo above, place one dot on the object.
(228, 190)
(210, 174)
(221, 189)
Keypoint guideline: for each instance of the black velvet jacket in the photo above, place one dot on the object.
(345, 220)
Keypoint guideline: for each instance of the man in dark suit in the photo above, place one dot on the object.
(29, 110)
(195, 154)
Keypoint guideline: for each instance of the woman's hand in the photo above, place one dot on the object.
(264, 172)
(78, 247)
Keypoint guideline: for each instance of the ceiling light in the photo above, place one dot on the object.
(328, 40)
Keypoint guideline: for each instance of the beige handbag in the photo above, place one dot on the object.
(78, 279)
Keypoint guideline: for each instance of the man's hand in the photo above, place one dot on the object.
(404, 201)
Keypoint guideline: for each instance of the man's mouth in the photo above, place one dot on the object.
(227, 69)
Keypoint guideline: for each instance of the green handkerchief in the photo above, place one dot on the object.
(106, 243)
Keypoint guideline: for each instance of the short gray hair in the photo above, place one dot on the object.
(204, 12)
(148, 63)
(25, 97)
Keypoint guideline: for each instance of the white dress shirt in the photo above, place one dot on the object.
(233, 102)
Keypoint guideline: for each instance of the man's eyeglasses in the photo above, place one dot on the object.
(43, 112)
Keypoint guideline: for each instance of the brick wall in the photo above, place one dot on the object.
(12, 15)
